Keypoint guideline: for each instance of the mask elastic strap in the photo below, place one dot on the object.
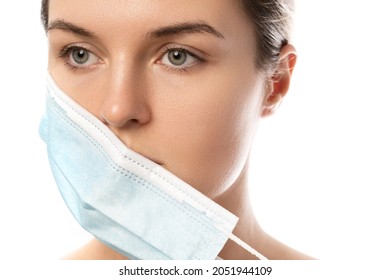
(242, 244)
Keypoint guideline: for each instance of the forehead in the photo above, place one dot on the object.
(137, 17)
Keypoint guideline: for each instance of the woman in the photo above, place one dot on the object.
(182, 85)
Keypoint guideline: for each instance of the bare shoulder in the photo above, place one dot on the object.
(94, 250)
(279, 251)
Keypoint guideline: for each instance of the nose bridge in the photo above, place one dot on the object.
(125, 99)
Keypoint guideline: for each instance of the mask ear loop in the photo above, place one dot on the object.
(242, 244)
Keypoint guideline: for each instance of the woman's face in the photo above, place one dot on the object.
(175, 80)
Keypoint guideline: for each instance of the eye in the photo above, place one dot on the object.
(179, 58)
(78, 57)
(82, 57)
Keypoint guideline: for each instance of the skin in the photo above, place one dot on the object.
(198, 122)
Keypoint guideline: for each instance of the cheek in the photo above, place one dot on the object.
(208, 133)
(87, 90)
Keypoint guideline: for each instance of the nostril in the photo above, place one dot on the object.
(134, 121)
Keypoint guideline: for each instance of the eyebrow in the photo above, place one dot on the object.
(175, 29)
(185, 27)
(70, 27)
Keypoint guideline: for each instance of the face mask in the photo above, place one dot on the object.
(128, 202)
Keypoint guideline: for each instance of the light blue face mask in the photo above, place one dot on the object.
(128, 202)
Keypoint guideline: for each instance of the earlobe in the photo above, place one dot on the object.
(271, 105)
(280, 80)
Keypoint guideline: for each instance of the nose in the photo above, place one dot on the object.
(125, 100)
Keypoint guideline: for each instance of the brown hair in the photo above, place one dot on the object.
(272, 23)
(272, 20)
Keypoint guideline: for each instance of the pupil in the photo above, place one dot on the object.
(80, 56)
(177, 57)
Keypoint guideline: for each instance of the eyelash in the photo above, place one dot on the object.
(66, 51)
(169, 49)
(64, 55)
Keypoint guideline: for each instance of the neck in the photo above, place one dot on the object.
(236, 200)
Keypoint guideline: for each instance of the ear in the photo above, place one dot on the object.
(280, 81)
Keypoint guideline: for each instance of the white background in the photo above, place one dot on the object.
(320, 169)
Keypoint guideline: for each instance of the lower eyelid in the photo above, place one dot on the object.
(179, 70)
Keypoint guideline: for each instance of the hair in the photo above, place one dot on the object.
(272, 20)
